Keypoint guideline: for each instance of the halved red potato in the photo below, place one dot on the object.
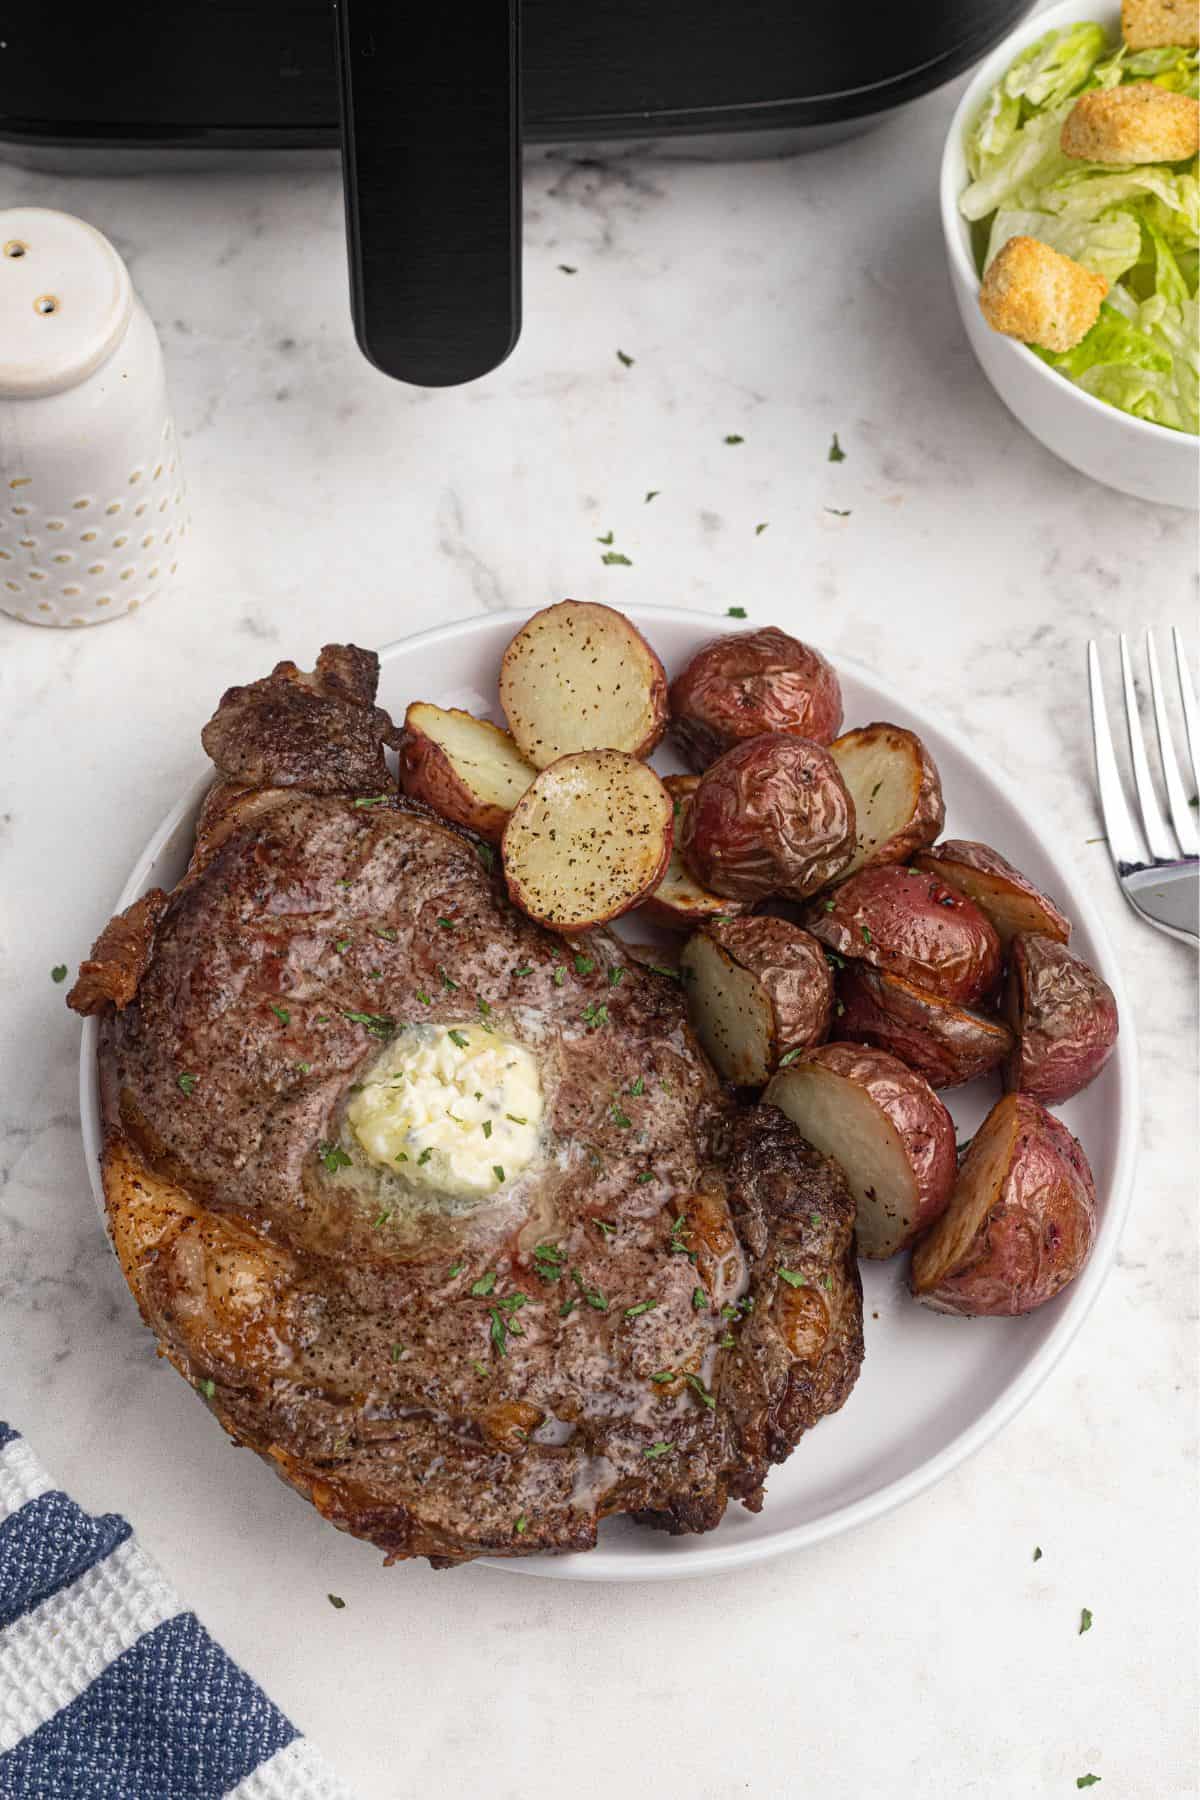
(1064, 1016)
(885, 1127)
(910, 924)
(588, 840)
(1010, 899)
(738, 687)
(579, 676)
(467, 769)
(945, 1043)
(1021, 1221)
(897, 792)
(679, 902)
(758, 992)
(772, 816)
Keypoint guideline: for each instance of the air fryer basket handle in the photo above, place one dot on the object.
(431, 146)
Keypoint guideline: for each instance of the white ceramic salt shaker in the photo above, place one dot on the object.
(92, 503)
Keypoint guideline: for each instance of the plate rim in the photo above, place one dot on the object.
(706, 1555)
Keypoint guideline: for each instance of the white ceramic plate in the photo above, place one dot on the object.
(932, 1388)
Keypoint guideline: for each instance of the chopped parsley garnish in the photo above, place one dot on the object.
(727, 1342)
(456, 1268)
(567, 1308)
(839, 512)
(593, 1296)
(521, 1524)
(793, 1278)
(699, 1299)
(498, 1171)
(733, 438)
(303, 1068)
(1082, 1781)
(615, 977)
(639, 1087)
(503, 1323)
(446, 924)
(619, 1117)
(836, 453)
(458, 1037)
(866, 933)
(480, 1368)
(484, 1285)
(677, 1242)
(695, 1383)
(827, 1281)
(615, 556)
(645, 1176)
(548, 1261)
(643, 1306)
(839, 1008)
(626, 360)
(584, 965)
(815, 1218)
(400, 1156)
(484, 1008)
(281, 1013)
(451, 987)
(208, 1389)
(829, 905)
(424, 1156)
(790, 1056)
(834, 960)
(486, 1128)
(735, 612)
(423, 997)
(652, 494)
(663, 1375)
(568, 269)
(59, 972)
(759, 529)
(516, 1119)
(383, 1218)
(560, 975)
(378, 1024)
(1037, 1553)
(606, 539)
(671, 975)
(336, 1601)
(372, 800)
(605, 1227)
(397, 1352)
(661, 1448)
(486, 855)
(187, 1083)
(1085, 1622)
(595, 1016)
(333, 1156)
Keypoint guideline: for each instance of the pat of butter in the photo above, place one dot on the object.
(457, 1109)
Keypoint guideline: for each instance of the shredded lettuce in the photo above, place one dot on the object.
(1137, 226)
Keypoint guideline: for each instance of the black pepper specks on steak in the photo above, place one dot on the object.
(641, 1320)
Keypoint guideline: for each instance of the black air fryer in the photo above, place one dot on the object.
(431, 105)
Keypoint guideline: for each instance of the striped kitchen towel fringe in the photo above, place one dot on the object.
(109, 1688)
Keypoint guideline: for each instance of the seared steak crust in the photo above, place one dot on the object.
(404, 1359)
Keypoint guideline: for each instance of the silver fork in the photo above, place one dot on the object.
(1159, 867)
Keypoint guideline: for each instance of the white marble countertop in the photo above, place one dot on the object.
(780, 301)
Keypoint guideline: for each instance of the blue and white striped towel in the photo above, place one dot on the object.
(109, 1689)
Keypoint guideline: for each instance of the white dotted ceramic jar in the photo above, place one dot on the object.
(92, 502)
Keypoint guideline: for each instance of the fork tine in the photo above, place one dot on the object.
(1181, 815)
(1191, 716)
(1158, 834)
(1124, 843)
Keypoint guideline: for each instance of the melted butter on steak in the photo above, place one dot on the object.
(456, 1108)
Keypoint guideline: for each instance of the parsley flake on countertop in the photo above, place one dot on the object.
(836, 453)
(187, 1083)
(59, 972)
(1037, 1553)
(759, 529)
(614, 556)
(733, 438)
(626, 360)
(1082, 1781)
(735, 612)
(336, 1601)
(568, 269)
(606, 539)
(652, 494)
(838, 512)
(1085, 1622)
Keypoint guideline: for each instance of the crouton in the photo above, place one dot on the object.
(1031, 292)
(1140, 123)
(1153, 24)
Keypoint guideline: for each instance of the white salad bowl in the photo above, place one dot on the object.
(933, 1389)
(1150, 461)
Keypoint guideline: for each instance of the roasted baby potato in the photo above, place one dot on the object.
(1021, 1221)
(1010, 899)
(771, 816)
(1064, 1017)
(679, 902)
(753, 682)
(588, 840)
(579, 677)
(758, 991)
(910, 924)
(945, 1043)
(885, 1127)
(896, 789)
(467, 769)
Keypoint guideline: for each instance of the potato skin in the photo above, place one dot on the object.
(1035, 1234)
(679, 903)
(752, 682)
(914, 1110)
(792, 967)
(428, 774)
(978, 871)
(771, 816)
(1064, 1016)
(947, 1044)
(911, 925)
